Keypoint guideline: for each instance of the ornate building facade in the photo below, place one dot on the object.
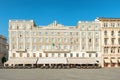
(110, 28)
(56, 44)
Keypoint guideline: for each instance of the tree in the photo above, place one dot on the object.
(3, 59)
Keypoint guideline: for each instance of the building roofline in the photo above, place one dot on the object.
(3, 36)
(108, 19)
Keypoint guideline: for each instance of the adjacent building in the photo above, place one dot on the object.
(110, 29)
(88, 43)
(3, 49)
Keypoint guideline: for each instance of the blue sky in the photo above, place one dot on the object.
(67, 12)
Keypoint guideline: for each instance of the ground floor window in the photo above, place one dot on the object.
(21, 54)
(34, 54)
(40, 54)
(14, 55)
(28, 55)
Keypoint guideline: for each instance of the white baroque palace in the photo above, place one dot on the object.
(89, 44)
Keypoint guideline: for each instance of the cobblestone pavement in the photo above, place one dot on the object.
(60, 74)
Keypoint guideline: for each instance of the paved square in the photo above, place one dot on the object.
(60, 74)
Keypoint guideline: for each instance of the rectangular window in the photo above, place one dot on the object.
(89, 40)
(47, 40)
(83, 34)
(105, 41)
(34, 54)
(89, 34)
(40, 33)
(40, 47)
(27, 33)
(27, 46)
(65, 55)
(34, 47)
(65, 40)
(96, 40)
(71, 55)
(53, 40)
(96, 27)
(83, 54)
(34, 39)
(46, 33)
(13, 33)
(89, 27)
(119, 41)
(105, 24)
(20, 46)
(113, 40)
(90, 54)
(77, 55)
(13, 47)
(34, 33)
(76, 33)
(118, 49)
(70, 33)
(21, 54)
(118, 24)
(65, 33)
(82, 47)
(58, 54)
(46, 54)
(59, 40)
(76, 47)
(70, 47)
(96, 34)
(52, 33)
(14, 55)
(83, 27)
(105, 50)
(65, 47)
(40, 39)
(27, 40)
(28, 55)
(105, 33)
(20, 39)
(112, 33)
(112, 24)
(40, 54)
(96, 55)
(53, 54)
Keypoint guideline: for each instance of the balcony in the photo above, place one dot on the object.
(56, 51)
(106, 36)
(21, 50)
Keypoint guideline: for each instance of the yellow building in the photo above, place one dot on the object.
(110, 28)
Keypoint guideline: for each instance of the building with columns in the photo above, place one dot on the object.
(88, 44)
